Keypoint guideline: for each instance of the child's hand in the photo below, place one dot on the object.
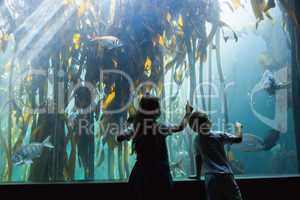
(188, 108)
(238, 126)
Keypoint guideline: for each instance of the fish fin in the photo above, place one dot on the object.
(47, 143)
(28, 162)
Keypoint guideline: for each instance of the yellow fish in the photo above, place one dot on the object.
(148, 66)
(110, 98)
(180, 22)
(76, 40)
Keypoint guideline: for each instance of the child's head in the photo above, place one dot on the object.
(149, 107)
(200, 123)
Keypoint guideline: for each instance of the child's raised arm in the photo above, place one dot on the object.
(182, 125)
(236, 138)
(239, 131)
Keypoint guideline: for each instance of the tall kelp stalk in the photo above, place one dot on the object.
(222, 79)
(209, 80)
(170, 117)
(9, 136)
(293, 10)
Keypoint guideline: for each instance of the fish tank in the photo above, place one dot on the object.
(73, 71)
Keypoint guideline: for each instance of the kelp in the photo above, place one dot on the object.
(222, 79)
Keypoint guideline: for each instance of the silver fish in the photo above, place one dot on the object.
(109, 42)
(27, 153)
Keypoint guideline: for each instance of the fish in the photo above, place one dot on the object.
(76, 40)
(27, 153)
(180, 22)
(148, 66)
(251, 143)
(108, 42)
(109, 98)
(271, 139)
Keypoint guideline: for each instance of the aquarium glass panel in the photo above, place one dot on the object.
(73, 73)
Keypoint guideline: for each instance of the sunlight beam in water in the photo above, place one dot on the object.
(237, 16)
(30, 37)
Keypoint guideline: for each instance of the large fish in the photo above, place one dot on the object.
(271, 139)
(252, 143)
(108, 42)
(27, 153)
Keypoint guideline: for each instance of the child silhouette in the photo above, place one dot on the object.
(151, 177)
(219, 180)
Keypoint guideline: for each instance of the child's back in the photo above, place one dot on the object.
(219, 179)
(211, 148)
(150, 146)
(151, 174)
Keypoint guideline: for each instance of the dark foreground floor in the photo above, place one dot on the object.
(254, 188)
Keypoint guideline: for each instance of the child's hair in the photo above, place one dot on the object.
(149, 107)
(148, 111)
(199, 122)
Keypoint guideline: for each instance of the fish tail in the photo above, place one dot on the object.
(47, 143)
